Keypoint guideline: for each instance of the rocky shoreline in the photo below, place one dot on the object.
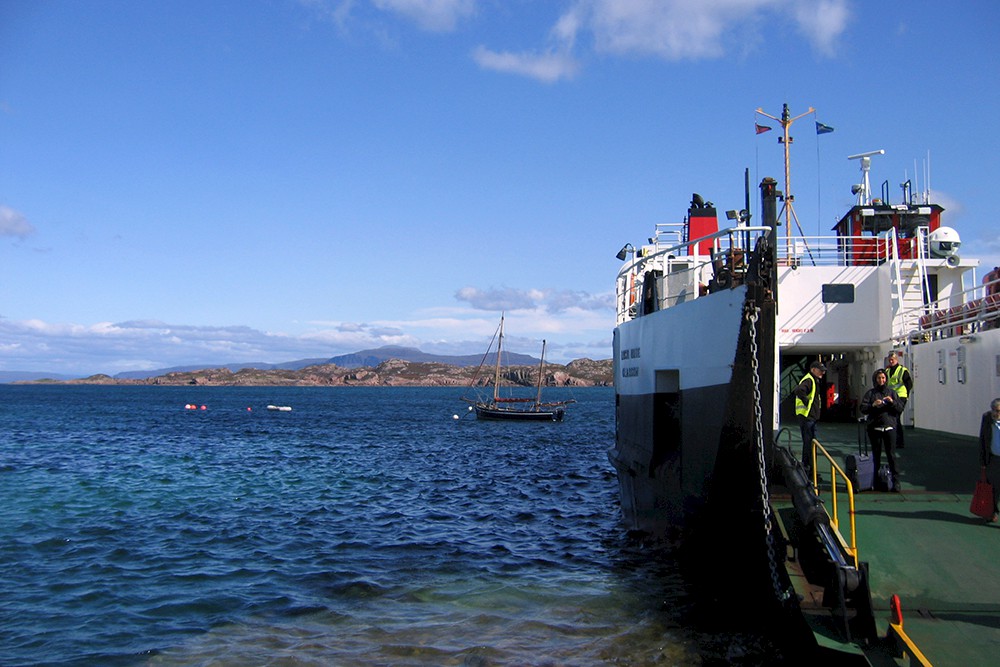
(390, 373)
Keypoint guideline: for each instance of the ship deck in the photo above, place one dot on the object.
(921, 544)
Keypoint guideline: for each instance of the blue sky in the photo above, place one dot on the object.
(193, 182)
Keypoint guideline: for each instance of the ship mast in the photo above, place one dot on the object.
(787, 208)
(496, 377)
(541, 368)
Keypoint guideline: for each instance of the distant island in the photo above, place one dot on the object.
(388, 366)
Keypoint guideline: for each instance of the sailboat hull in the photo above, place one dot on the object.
(531, 411)
(504, 414)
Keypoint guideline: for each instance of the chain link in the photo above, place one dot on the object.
(765, 498)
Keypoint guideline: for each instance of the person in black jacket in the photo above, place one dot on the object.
(989, 450)
(882, 407)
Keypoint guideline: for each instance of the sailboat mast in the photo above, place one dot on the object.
(496, 377)
(541, 368)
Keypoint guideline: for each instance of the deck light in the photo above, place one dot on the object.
(626, 249)
(739, 216)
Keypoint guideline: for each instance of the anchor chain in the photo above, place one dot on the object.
(772, 559)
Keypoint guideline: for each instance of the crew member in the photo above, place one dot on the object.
(807, 407)
(901, 382)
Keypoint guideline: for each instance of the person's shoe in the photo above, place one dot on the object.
(994, 518)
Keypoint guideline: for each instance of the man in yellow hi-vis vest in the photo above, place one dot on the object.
(808, 403)
(900, 382)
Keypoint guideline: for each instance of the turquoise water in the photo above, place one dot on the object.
(365, 527)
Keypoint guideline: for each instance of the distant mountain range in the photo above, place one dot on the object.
(364, 358)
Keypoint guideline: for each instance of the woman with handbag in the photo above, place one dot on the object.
(989, 451)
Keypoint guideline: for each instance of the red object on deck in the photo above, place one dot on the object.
(702, 222)
(873, 222)
(897, 610)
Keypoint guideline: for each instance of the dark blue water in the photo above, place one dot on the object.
(364, 527)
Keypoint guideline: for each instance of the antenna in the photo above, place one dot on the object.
(786, 121)
(864, 189)
(927, 180)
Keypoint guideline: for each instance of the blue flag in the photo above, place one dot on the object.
(823, 129)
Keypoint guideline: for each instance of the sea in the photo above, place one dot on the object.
(146, 525)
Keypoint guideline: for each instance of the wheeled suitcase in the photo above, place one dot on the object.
(860, 467)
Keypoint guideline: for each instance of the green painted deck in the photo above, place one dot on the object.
(923, 545)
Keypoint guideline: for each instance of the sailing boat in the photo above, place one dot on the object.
(512, 408)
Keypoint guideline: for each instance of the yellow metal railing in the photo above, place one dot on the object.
(895, 631)
(836, 472)
(906, 645)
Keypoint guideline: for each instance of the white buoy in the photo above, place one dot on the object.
(455, 417)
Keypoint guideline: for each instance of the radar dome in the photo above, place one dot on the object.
(944, 242)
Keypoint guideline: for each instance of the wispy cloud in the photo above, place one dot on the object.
(497, 299)
(693, 29)
(14, 224)
(671, 30)
(546, 300)
(429, 15)
(114, 347)
(548, 67)
(432, 15)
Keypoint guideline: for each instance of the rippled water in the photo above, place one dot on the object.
(365, 527)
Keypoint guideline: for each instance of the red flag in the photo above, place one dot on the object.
(762, 128)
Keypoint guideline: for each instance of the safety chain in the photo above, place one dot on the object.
(772, 560)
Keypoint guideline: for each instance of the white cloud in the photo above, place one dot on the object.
(693, 29)
(433, 15)
(504, 298)
(114, 347)
(430, 15)
(13, 223)
(548, 301)
(546, 67)
(672, 30)
(822, 22)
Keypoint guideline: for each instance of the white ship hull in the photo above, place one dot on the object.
(879, 283)
(672, 382)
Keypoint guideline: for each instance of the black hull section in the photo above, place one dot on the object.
(662, 482)
(499, 414)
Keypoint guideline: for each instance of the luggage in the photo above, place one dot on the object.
(885, 481)
(982, 499)
(860, 467)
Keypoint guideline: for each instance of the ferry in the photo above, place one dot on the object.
(716, 325)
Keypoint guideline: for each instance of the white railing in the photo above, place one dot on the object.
(961, 314)
(682, 272)
(849, 250)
